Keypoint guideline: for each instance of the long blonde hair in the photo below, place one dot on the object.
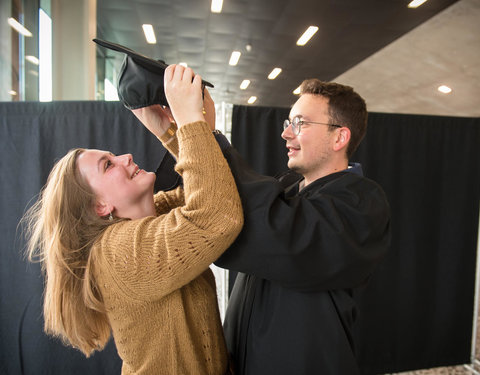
(61, 228)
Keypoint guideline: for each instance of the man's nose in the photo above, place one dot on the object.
(288, 132)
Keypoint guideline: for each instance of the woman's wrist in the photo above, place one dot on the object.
(191, 118)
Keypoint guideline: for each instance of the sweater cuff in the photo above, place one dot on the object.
(193, 129)
(169, 139)
(169, 133)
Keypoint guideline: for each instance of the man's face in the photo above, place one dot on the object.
(310, 151)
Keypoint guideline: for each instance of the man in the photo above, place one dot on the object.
(310, 239)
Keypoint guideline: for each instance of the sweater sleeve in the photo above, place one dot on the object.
(168, 200)
(150, 257)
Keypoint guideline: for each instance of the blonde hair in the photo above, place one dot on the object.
(61, 228)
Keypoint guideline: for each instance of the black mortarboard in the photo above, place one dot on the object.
(140, 81)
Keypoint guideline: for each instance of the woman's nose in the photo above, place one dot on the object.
(125, 158)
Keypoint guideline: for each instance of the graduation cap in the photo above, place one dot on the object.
(140, 81)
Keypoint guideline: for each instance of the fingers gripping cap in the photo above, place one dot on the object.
(140, 81)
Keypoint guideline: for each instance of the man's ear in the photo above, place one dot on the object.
(102, 208)
(343, 138)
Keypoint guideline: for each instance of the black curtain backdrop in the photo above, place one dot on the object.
(417, 311)
(32, 137)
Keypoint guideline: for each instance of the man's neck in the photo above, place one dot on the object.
(333, 168)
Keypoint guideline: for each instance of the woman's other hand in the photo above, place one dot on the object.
(183, 90)
(156, 118)
(209, 107)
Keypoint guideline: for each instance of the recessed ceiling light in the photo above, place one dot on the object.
(274, 73)
(252, 100)
(444, 89)
(216, 6)
(149, 33)
(297, 91)
(244, 84)
(307, 35)
(19, 27)
(234, 58)
(416, 3)
(32, 59)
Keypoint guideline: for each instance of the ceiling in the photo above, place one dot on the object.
(404, 76)
(355, 45)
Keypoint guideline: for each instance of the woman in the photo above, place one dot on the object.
(118, 259)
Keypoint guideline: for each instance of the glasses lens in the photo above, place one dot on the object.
(296, 125)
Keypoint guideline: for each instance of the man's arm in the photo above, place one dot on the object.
(167, 178)
(324, 240)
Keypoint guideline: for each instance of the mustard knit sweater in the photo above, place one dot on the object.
(153, 273)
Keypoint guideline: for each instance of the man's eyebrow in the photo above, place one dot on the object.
(300, 116)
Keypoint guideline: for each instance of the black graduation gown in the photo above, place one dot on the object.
(166, 177)
(300, 256)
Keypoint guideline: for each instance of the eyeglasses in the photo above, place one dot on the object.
(297, 124)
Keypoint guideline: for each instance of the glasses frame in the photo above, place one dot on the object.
(297, 124)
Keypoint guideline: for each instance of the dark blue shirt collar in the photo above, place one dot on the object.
(355, 168)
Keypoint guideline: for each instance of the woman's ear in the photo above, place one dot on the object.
(102, 208)
(343, 138)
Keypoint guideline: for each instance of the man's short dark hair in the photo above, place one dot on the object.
(345, 107)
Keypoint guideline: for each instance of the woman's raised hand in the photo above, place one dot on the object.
(183, 90)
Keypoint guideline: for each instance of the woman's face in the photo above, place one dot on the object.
(119, 185)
